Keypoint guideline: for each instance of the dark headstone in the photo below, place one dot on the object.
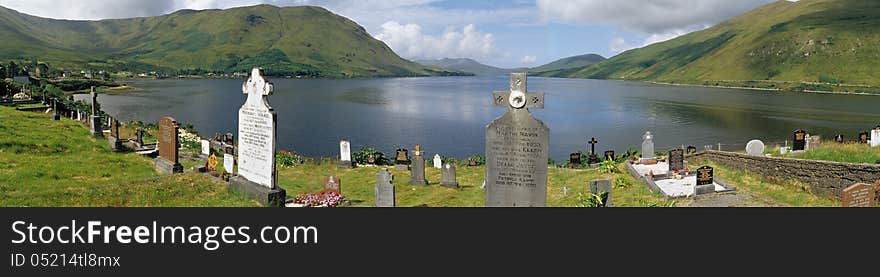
(676, 160)
(139, 134)
(95, 119)
(838, 138)
(418, 170)
(800, 140)
(600, 187)
(859, 195)
(168, 146)
(229, 139)
(402, 161)
(116, 144)
(574, 160)
(593, 159)
(705, 180)
(517, 146)
(610, 155)
(447, 176)
(218, 137)
(384, 189)
(863, 137)
(691, 150)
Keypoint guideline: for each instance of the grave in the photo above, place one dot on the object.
(812, 142)
(418, 169)
(206, 148)
(755, 148)
(610, 155)
(447, 176)
(257, 173)
(402, 161)
(703, 182)
(113, 138)
(691, 150)
(344, 155)
(438, 162)
(333, 184)
(800, 141)
(168, 162)
(600, 187)
(574, 160)
(875, 137)
(647, 148)
(517, 146)
(859, 195)
(593, 160)
(139, 136)
(838, 138)
(675, 160)
(229, 160)
(95, 119)
(863, 137)
(384, 189)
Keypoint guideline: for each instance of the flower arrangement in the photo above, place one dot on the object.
(329, 199)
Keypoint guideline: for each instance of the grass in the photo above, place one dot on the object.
(45, 163)
(775, 193)
(841, 152)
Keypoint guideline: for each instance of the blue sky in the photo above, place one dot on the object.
(512, 33)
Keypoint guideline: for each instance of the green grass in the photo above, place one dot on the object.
(45, 163)
(841, 152)
(777, 193)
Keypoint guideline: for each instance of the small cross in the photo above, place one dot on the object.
(593, 143)
(518, 97)
(565, 191)
(257, 88)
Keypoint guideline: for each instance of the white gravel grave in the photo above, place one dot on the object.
(661, 168)
(682, 188)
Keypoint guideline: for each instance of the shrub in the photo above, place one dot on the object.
(608, 166)
(288, 159)
(480, 160)
(363, 156)
(591, 200)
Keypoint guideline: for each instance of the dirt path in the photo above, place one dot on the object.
(731, 199)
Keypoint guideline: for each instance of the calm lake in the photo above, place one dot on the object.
(448, 115)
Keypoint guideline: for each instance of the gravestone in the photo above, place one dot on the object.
(859, 195)
(447, 176)
(691, 150)
(593, 159)
(813, 142)
(418, 169)
(333, 184)
(574, 160)
(206, 148)
(600, 187)
(168, 162)
(384, 189)
(438, 162)
(344, 155)
(402, 161)
(95, 120)
(755, 148)
(676, 160)
(139, 134)
(800, 141)
(610, 155)
(55, 114)
(705, 180)
(229, 159)
(257, 174)
(863, 137)
(229, 139)
(838, 138)
(211, 165)
(875, 137)
(113, 138)
(517, 146)
(648, 147)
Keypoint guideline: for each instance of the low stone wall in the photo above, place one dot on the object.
(825, 178)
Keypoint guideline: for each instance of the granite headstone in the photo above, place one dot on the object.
(168, 147)
(384, 189)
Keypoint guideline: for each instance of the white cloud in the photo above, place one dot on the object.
(528, 60)
(619, 45)
(650, 17)
(410, 42)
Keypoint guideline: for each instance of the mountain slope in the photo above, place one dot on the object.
(470, 66)
(286, 41)
(831, 41)
(566, 65)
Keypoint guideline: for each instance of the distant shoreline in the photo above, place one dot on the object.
(758, 89)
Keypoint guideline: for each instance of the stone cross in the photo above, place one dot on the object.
(257, 133)
(565, 191)
(517, 147)
(94, 102)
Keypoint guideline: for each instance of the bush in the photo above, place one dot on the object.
(480, 160)
(288, 159)
(363, 157)
(592, 200)
(608, 166)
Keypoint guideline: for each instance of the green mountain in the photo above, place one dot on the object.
(566, 66)
(470, 66)
(308, 41)
(829, 41)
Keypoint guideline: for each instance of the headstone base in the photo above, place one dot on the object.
(453, 185)
(345, 165)
(705, 189)
(415, 182)
(56, 117)
(167, 167)
(115, 144)
(401, 167)
(269, 197)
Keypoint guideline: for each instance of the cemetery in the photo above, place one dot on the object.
(98, 161)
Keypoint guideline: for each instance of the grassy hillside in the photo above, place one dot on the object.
(308, 41)
(470, 66)
(562, 67)
(828, 41)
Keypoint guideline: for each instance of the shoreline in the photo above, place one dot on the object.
(757, 89)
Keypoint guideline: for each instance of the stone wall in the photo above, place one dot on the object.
(825, 178)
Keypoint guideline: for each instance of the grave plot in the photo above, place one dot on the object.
(673, 179)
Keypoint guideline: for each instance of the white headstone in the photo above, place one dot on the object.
(256, 133)
(648, 146)
(438, 162)
(875, 137)
(229, 162)
(206, 147)
(783, 150)
(345, 151)
(755, 148)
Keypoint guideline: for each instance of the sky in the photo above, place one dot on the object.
(512, 33)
